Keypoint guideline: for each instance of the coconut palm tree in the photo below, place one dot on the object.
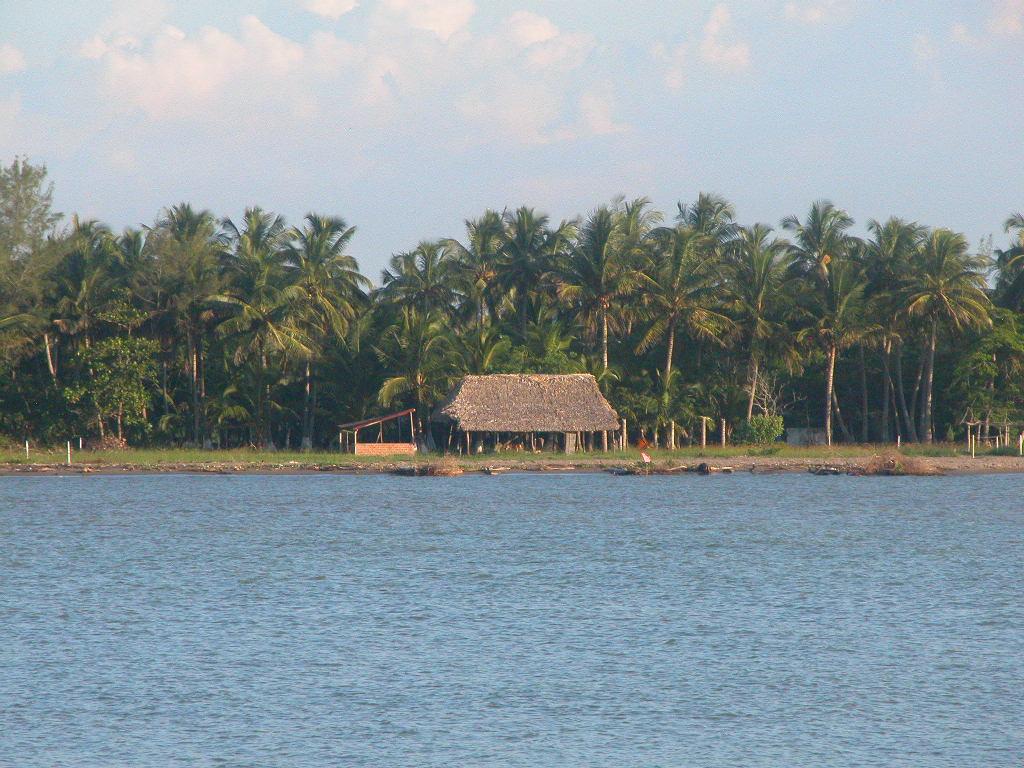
(836, 321)
(945, 289)
(477, 261)
(176, 290)
(820, 240)
(596, 277)
(679, 289)
(756, 270)
(330, 287)
(422, 278)
(418, 352)
(529, 252)
(1010, 265)
(710, 215)
(887, 258)
(266, 308)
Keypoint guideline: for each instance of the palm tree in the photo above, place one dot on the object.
(836, 322)
(710, 215)
(422, 279)
(1010, 265)
(267, 309)
(528, 253)
(946, 288)
(756, 269)
(679, 290)
(888, 256)
(417, 350)
(477, 261)
(596, 277)
(819, 241)
(330, 288)
(179, 285)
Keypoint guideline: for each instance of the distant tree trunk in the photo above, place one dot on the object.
(926, 408)
(51, 360)
(916, 404)
(865, 432)
(908, 421)
(886, 389)
(829, 382)
(307, 411)
(847, 436)
(192, 365)
(604, 339)
(754, 371)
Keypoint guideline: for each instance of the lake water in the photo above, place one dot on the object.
(522, 620)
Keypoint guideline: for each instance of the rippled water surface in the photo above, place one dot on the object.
(522, 620)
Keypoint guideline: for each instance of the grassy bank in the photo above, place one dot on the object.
(161, 457)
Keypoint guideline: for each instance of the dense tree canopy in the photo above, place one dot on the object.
(213, 331)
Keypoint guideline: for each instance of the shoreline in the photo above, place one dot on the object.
(856, 465)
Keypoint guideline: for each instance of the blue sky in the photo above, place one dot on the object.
(408, 116)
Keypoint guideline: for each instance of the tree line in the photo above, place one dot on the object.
(207, 331)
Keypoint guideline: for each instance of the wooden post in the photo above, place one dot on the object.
(723, 433)
(703, 431)
(624, 441)
(468, 443)
(1020, 444)
(672, 435)
(26, 449)
(69, 453)
(604, 440)
(412, 429)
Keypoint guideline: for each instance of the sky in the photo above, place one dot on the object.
(406, 117)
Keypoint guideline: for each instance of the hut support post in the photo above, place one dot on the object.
(604, 440)
(469, 443)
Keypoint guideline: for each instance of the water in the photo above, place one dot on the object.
(520, 620)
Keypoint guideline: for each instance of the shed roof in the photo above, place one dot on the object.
(528, 403)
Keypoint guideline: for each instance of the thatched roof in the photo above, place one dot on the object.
(528, 403)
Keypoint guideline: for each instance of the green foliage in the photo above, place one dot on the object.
(202, 331)
(119, 374)
(760, 429)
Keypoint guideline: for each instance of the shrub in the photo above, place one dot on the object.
(760, 430)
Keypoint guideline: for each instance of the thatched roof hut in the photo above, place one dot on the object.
(528, 403)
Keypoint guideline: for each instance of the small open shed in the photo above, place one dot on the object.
(348, 435)
(569, 405)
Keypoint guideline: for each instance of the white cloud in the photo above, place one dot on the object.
(330, 9)
(819, 12)
(442, 17)
(565, 51)
(526, 28)
(1007, 18)
(597, 109)
(961, 34)
(674, 60)
(731, 56)
(924, 49)
(178, 75)
(11, 59)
